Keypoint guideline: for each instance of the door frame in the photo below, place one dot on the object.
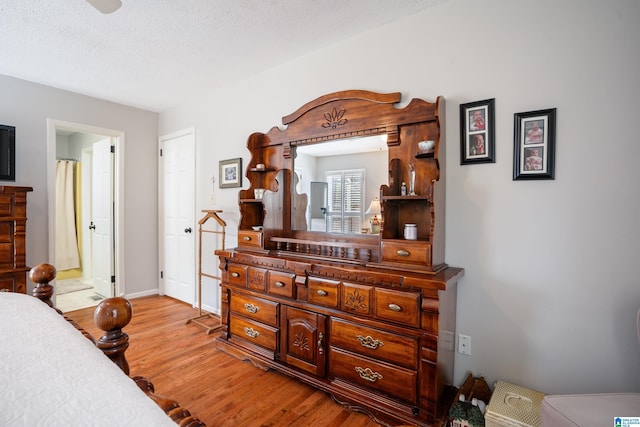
(117, 140)
(161, 217)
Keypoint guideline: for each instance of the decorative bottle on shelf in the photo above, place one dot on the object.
(412, 180)
(403, 189)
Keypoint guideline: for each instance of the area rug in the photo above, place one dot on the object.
(70, 285)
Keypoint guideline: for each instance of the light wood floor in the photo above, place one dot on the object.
(183, 364)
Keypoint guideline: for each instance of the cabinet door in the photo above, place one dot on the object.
(303, 340)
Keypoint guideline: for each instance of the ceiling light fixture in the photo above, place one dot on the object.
(106, 6)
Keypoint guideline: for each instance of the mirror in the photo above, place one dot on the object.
(335, 183)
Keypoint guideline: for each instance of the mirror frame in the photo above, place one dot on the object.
(334, 116)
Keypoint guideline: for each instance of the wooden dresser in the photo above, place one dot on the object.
(368, 318)
(13, 230)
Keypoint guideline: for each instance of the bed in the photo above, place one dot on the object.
(54, 373)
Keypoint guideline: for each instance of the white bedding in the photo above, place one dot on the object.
(51, 375)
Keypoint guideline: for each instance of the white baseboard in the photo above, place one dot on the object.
(142, 294)
(211, 309)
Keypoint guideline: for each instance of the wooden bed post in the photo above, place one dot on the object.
(41, 275)
(111, 315)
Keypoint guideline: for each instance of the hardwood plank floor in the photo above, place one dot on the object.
(183, 364)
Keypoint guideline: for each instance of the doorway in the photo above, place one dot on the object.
(97, 157)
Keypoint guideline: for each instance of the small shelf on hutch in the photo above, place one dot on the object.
(261, 170)
(425, 155)
(403, 198)
(250, 200)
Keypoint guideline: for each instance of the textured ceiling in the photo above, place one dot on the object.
(152, 53)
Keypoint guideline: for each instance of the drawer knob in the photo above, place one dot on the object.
(235, 274)
(279, 285)
(395, 307)
(246, 238)
(251, 308)
(251, 333)
(322, 292)
(368, 374)
(402, 252)
(369, 342)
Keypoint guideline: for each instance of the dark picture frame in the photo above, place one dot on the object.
(230, 173)
(534, 144)
(477, 135)
(7, 153)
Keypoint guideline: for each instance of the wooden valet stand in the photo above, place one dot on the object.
(200, 319)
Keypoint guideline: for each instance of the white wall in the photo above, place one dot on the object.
(27, 106)
(550, 292)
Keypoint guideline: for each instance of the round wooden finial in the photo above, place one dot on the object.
(113, 313)
(42, 273)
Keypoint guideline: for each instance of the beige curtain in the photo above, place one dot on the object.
(66, 242)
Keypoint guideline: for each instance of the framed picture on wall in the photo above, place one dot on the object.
(534, 144)
(230, 173)
(477, 132)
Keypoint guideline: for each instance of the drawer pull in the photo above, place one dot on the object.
(251, 333)
(402, 252)
(369, 342)
(320, 338)
(235, 274)
(251, 308)
(368, 374)
(395, 307)
(322, 292)
(246, 238)
(279, 285)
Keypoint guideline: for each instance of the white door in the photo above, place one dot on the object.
(177, 216)
(102, 246)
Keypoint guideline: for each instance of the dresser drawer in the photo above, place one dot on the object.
(386, 378)
(375, 343)
(282, 284)
(249, 239)
(356, 298)
(257, 279)
(14, 282)
(237, 275)
(255, 308)
(323, 292)
(8, 284)
(397, 306)
(407, 251)
(6, 204)
(6, 255)
(255, 332)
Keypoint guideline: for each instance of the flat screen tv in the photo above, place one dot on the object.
(7, 153)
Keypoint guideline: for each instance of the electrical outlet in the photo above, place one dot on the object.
(464, 344)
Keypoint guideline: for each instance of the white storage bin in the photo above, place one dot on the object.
(513, 406)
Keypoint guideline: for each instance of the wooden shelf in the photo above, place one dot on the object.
(261, 170)
(404, 198)
(250, 200)
(425, 155)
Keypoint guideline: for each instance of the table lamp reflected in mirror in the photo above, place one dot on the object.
(374, 221)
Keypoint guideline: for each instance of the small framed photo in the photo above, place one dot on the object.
(477, 132)
(534, 144)
(231, 173)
